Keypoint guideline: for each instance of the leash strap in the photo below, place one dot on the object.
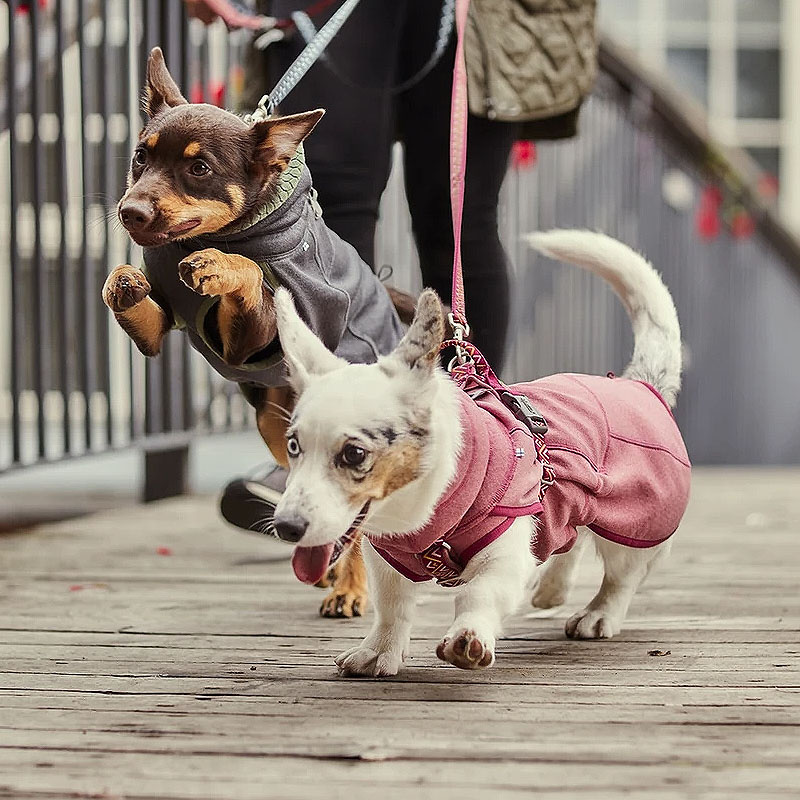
(312, 51)
(459, 109)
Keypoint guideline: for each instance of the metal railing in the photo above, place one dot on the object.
(71, 384)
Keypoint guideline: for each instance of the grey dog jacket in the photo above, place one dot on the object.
(335, 292)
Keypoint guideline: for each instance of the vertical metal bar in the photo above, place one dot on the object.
(17, 334)
(41, 347)
(106, 171)
(132, 111)
(89, 377)
(66, 287)
(155, 370)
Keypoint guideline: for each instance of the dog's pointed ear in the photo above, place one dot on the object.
(306, 356)
(160, 91)
(276, 140)
(419, 348)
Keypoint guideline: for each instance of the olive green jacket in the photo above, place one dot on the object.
(532, 61)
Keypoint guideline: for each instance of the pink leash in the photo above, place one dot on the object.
(469, 369)
(459, 109)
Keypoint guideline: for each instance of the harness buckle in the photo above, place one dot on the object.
(525, 412)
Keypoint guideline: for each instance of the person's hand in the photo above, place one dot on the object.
(209, 10)
(199, 9)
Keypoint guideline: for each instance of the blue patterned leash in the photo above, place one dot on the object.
(312, 51)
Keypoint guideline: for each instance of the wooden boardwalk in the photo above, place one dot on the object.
(202, 671)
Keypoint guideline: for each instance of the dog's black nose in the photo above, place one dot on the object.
(136, 214)
(290, 528)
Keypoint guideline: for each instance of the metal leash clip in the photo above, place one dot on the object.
(461, 332)
(264, 110)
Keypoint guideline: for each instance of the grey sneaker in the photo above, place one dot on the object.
(249, 503)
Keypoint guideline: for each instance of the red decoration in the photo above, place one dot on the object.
(217, 93)
(523, 155)
(768, 185)
(196, 93)
(742, 225)
(707, 219)
(164, 551)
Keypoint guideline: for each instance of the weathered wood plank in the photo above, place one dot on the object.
(213, 777)
(207, 674)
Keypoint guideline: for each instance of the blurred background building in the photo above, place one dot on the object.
(741, 60)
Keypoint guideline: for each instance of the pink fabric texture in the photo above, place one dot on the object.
(620, 463)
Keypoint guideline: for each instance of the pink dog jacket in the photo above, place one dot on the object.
(621, 469)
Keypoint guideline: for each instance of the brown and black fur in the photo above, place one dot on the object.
(197, 169)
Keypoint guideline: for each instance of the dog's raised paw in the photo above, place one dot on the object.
(124, 288)
(588, 624)
(467, 649)
(349, 603)
(366, 662)
(206, 272)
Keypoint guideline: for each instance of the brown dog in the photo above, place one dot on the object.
(226, 213)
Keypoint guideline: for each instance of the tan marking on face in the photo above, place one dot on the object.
(191, 150)
(395, 467)
(236, 194)
(152, 140)
(213, 214)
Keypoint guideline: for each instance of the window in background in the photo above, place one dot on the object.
(768, 158)
(759, 10)
(687, 10)
(688, 67)
(758, 84)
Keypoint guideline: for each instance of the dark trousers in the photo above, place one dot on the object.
(349, 153)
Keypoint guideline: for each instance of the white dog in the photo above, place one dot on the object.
(449, 486)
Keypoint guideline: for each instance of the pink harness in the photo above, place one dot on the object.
(620, 464)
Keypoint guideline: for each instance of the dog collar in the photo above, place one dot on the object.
(283, 191)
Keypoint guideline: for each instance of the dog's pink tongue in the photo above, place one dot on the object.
(311, 563)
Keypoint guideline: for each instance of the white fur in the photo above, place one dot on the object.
(336, 401)
(657, 334)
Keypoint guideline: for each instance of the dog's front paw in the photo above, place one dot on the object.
(467, 649)
(208, 272)
(364, 661)
(588, 624)
(124, 288)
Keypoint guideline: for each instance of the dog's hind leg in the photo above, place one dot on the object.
(496, 580)
(625, 569)
(557, 575)
(386, 645)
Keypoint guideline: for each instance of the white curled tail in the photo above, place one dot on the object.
(657, 334)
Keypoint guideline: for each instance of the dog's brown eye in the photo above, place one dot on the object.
(199, 168)
(352, 455)
(140, 158)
